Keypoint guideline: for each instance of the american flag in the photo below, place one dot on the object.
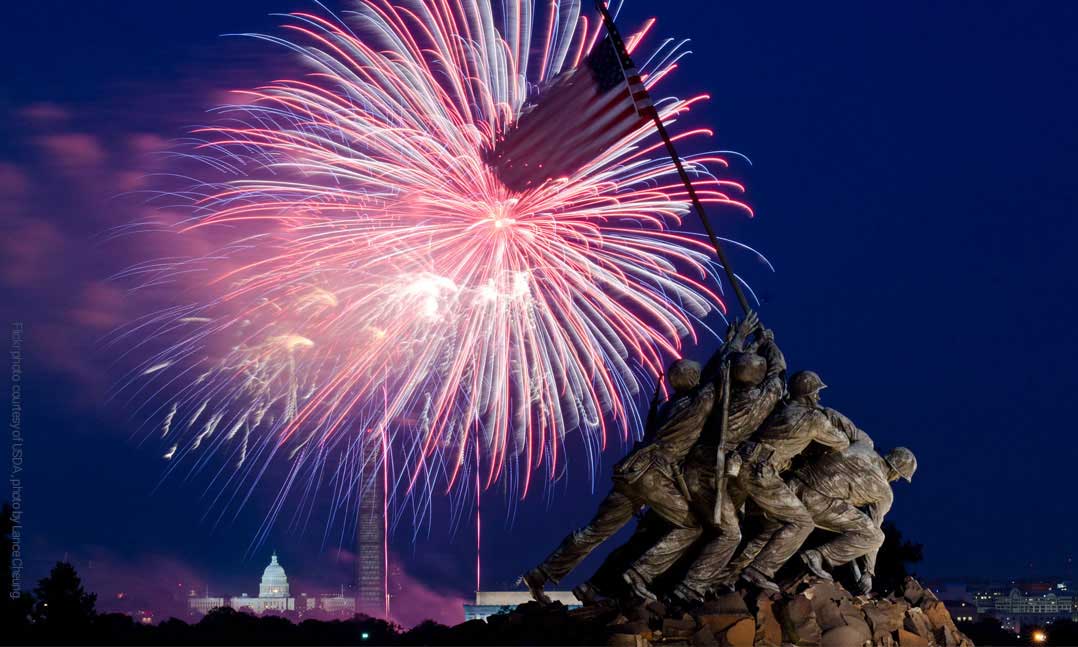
(579, 115)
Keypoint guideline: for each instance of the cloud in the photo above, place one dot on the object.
(62, 195)
(100, 307)
(30, 251)
(44, 113)
(13, 182)
(73, 151)
(144, 143)
(128, 181)
(90, 190)
(412, 602)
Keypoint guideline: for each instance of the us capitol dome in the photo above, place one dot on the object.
(274, 582)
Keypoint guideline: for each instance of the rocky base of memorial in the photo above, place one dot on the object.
(806, 613)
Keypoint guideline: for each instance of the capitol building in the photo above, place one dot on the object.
(274, 596)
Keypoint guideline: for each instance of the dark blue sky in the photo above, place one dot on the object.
(914, 179)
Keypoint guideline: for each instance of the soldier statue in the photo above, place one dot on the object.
(650, 476)
(734, 567)
(795, 423)
(758, 382)
(833, 489)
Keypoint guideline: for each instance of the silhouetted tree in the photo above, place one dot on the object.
(63, 609)
(895, 554)
(379, 632)
(427, 632)
(226, 626)
(120, 629)
(988, 631)
(173, 632)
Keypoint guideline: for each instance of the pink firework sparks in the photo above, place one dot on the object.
(368, 248)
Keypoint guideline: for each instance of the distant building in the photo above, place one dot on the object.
(272, 592)
(333, 605)
(274, 596)
(962, 611)
(984, 597)
(1018, 608)
(204, 604)
(274, 582)
(336, 604)
(488, 603)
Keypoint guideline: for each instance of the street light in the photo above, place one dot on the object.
(1039, 636)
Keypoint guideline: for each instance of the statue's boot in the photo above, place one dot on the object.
(535, 579)
(687, 595)
(586, 593)
(814, 561)
(638, 585)
(759, 580)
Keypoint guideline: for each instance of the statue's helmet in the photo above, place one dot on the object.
(902, 461)
(804, 383)
(683, 374)
(748, 368)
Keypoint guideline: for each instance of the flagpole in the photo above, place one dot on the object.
(626, 62)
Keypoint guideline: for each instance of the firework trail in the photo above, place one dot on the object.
(367, 249)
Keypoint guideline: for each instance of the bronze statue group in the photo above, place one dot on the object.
(735, 442)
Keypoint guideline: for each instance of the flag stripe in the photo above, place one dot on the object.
(578, 116)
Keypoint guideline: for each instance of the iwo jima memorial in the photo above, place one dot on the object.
(760, 509)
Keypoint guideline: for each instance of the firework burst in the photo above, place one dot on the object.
(376, 280)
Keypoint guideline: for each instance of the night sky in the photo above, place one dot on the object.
(913, 178)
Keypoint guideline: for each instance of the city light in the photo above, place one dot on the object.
(1039, 636)
(364, 636)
